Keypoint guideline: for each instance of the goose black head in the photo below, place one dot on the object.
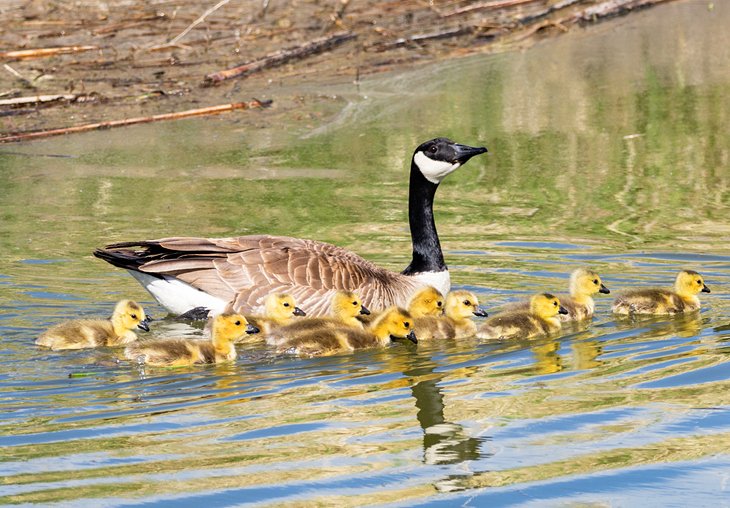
(439, 157)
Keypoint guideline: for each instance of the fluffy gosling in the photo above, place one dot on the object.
(584, 283)
(85, 333)
(345, 309)
(456, 323)
(393, 324)
(541, 319)
(280, 309)
(658, 301)
(225, 330)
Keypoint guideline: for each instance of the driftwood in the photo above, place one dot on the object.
(445, 34)
(280, 57)
(36, 99)
(213, 110)
(23, 54)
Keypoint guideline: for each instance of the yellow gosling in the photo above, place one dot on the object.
(541, 319)
(393, 324)
(456, 323)
(280, 309)
(345, 309)
(427, 301)
(85, 333)
(584, 283)
(225, 330)
(664, 301)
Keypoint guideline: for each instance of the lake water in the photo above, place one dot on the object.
(609, 147)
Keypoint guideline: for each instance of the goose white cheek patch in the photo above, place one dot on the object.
(434, 171)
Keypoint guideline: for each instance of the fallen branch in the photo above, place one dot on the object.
(614, 8)
(493, 4)
(280, 57)
(36, 99)
(213, 110)
(23, 54)
(452, 32)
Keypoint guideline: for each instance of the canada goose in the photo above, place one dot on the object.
(584, 283)
(541, 319)
(280, 310)
(664, 301)
(183, 272)
(456, 323)
(345, 308)
(85, 333)
(395, 323)
(226, 328)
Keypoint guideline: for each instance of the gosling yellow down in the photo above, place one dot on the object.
(427, 301)
(86, 333)
(280, 310)
(541, 319)
(456, 323)
(225, 330)
(584, 283)
(345, 309)
(393, 324)
(664, 301)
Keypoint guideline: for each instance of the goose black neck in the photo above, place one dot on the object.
(427, 255)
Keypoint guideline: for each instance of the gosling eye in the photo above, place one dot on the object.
(286, 304)
(467, 303)
(406, 324)
(595, 281)
(133, 316)
(237, 323)
(555, 304)
(439, 303)
(699, 281)
(354, 303)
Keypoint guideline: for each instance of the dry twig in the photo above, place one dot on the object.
(22, 54)
(213, 110)
(280, 57)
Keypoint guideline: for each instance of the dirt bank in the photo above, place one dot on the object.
(75, 63)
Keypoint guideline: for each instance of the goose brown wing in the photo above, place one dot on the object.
(245, 269)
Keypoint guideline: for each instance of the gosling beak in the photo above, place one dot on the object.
(252, 329)
(299, 312)
(144, 325)
(412, 337)
(604, 290)
(705, 289)
(562, 310)
(463, 153)
(364, 310)
(480, 312)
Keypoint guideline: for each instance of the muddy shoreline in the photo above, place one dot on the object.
(66, 65)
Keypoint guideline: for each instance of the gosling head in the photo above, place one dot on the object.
(282, 307)
(690, 283)
(462, 304)
(426, 302)
(129, 315)
(439, 157)
(396, 323)
(546, 306)
(230, 326)
(585, 282)
(348, 305)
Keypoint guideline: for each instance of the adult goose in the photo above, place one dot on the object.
(183, 273)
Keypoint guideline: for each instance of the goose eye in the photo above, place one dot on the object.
(133, 316)
(432, 149)
(237, 323)
(595, 281)
(286, 304)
